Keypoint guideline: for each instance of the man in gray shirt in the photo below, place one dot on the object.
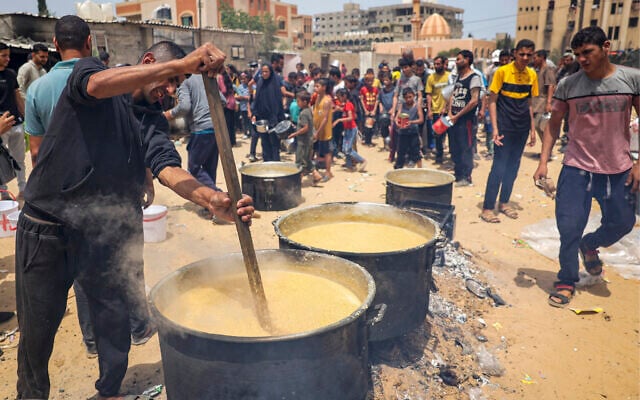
(202, 147)
(33, 69)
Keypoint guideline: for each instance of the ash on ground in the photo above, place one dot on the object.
(453, 354)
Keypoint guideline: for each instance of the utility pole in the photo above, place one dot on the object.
(200, 23)
(581, 17)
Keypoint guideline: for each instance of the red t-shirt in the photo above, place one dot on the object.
(370, 96)
(349, 107)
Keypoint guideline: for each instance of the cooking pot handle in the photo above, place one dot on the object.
(381, 310)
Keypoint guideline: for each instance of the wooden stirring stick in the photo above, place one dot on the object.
(235, 193)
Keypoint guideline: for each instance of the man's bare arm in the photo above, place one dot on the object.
(116, 81)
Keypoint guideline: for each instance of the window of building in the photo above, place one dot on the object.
(593, 22)
(519, 28)
(595, 5)
(633, 22)
(100, 40)
(620, 8)
(616, 33)
(237, 52)
(186, 20)
(162, 13)
(613, 8)
(281, 24)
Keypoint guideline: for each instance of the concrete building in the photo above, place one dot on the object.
(355, 28)
(292, 28)
(551, 24)
(434, 37)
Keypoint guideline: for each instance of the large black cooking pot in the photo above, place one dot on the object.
(402, 277)
(327, 363)
(404, 185)
(274, 186)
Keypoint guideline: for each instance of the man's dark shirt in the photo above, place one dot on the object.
(8, 87)
(94, 153)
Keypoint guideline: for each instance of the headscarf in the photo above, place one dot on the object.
(268, 100)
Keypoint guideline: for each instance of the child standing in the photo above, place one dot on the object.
(322, 124)
(350, 132)
(369, 101)
(242, 97)
(304, 136)
(408, 118)
(385, 105)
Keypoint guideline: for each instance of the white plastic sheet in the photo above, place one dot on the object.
(623, 256)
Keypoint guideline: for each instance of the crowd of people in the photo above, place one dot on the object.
(97, 132)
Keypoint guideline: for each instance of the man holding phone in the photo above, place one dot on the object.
(11, 101)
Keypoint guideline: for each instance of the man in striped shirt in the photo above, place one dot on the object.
(511, 91)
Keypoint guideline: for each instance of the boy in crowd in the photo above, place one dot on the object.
(408, 134)
(304, 137)
(350, 131)
(369, 101)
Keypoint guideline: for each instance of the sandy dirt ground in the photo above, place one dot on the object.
(546, 353)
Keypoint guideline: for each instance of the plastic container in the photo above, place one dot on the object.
(7, 207)
(155, 223)
(442, 124)
(13, 220)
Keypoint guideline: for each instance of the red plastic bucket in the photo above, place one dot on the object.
(441, 125)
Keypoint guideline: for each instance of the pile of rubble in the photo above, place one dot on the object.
(454, 354)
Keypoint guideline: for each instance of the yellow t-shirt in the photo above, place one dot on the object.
(435, 84)
(376, 83)
(318, 116)
(514, 88)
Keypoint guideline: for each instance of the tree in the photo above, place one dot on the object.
(42, 8)
(231, 18)
(505, 43)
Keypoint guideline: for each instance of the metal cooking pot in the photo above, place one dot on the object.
(402, 277)
(326, 363)
(283, 129)
(262, 126)
(402, 186)
(384, 120)
(274, 185)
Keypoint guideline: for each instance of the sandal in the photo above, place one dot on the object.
(488, 216)
(564, 300)
(509, 212)
(591, 260)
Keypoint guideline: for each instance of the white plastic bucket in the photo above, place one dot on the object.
(7, 207)
(154, 224)
(13, 220)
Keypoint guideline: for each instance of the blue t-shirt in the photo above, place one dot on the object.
(242, 90)
(294, 111)
(38, 110)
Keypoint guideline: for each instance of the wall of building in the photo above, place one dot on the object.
(552, 28)
(430, 49)
(127, 40)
